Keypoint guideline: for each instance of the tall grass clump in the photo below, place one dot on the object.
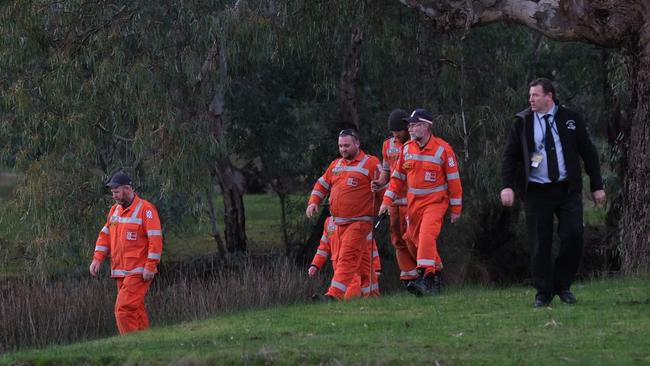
(36, 314)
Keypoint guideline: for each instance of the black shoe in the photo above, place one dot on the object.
(322, 298)
(567, 297)
(427, 285)
(543, 299)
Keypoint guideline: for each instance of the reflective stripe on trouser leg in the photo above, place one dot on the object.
(354, 288)
(130, 311)
(425, 227)
(369, 283)
(405, 259)
(352, 242)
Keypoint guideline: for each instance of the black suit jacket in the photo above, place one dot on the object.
(575, 141)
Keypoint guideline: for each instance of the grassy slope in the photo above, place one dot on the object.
(610, 325)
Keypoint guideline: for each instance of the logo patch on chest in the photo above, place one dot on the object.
(352, 182)
(430, 176)
(131, 235)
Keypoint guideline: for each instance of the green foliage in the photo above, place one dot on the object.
(87, 88)
(464, 326)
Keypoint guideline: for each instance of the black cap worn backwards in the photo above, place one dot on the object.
(397, 120)
(119, 179)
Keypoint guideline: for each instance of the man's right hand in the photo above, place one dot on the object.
(94, 268)
(311, 272)
(507, 197)
(376, 185)
(311, 210)
(383, 208)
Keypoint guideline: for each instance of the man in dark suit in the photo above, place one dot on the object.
(541, 161)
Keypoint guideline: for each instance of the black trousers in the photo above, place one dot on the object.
(542, 202)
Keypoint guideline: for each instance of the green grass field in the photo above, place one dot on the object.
(610, 325)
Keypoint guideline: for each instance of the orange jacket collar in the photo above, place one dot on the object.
(358, 158)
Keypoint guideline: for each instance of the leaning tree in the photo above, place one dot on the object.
(622, 24)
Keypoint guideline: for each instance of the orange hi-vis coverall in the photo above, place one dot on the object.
(352, 204)
(132, 237)
(406, 258)
(328, 247)
(431, 174)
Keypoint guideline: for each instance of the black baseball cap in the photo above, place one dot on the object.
(421, 115)
(119, 179)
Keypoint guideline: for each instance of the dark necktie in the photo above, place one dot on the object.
(551, 155)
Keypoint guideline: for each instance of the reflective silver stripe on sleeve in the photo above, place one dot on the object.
(324, 183)
(105, 230)
(453, 176)
(409, 273)
(341, 220)
(322, 253)
(375, 253)
(154, 232)
(398, 175)
(419, 191)
(324, 239)
(400, 202)
(369, 237)
(339, 286)
(153, 256)
(101, 248)
(317, 193)
(456, 201)
(426, 262)
(124, 272)
(390, 194)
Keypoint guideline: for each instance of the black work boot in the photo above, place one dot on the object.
(322, 298)
(427, 285)
(415, 286)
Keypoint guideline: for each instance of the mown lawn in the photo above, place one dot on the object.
(610, 325)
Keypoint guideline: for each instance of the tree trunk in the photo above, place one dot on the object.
(231, 181)
(349, 80)
(635, 221)
(608, 23)
(215, 226)
(283, 221)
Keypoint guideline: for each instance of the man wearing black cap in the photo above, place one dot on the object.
(391, 150)
(132, 237)
(429, 169)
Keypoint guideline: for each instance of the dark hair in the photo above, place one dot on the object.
(546, 84)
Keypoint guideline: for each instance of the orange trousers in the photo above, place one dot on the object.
(406, 256)
(424, 225)
(130, 312)
(354, 288)
(352, 257)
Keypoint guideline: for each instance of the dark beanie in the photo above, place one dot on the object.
(397, 120)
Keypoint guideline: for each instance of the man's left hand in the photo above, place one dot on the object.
(454, 217)
(148, 275)
(599, 196)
